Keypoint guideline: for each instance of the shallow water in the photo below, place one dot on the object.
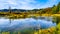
(17, 24)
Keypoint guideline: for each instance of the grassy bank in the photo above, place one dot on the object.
(28, 15)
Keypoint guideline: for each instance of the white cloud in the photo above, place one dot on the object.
(26, 4)
(11, 2)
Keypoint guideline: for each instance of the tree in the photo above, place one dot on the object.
(9, 9)
(54, 9)
(58, 7)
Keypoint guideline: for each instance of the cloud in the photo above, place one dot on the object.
(11, 2)
(27, 4)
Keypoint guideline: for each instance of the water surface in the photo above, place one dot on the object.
(18, 24)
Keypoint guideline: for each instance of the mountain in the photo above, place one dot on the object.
(13, 10)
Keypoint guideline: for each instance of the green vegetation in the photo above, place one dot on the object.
(51, 11)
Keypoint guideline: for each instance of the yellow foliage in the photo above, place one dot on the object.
(5, 32)
(18, 32)
(35, 32)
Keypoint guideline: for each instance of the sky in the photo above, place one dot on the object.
(27, 4)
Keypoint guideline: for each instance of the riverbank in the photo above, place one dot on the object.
(16, 16)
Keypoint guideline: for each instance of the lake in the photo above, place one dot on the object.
(20, 24)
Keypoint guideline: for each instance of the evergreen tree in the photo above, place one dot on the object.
(58, 7)
(54, 9)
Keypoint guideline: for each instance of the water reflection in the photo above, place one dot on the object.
(18, 24)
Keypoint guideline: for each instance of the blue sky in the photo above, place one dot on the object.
(27, 4)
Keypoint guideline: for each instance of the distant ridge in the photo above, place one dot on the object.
(6, 10)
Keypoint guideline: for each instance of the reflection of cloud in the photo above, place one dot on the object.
(27, 4)
(4, 22)
(25, 23)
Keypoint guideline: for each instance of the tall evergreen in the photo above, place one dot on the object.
(54, 9)
(9, 9)
(58, 7)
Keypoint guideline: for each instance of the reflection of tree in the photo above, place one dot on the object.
(9, 20)
(37, 28)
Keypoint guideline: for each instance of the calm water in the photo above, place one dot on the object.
(17, 24)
